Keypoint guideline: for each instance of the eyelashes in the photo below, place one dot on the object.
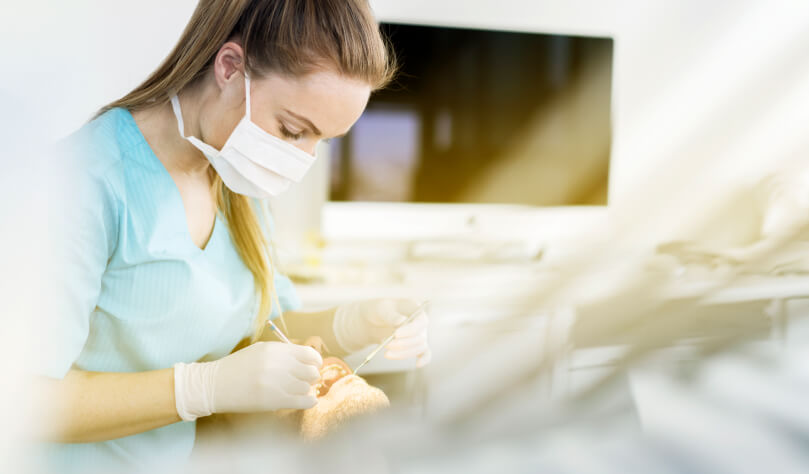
(292, 136)
(286, 133)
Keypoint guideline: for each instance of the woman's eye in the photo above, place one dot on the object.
(292, 136)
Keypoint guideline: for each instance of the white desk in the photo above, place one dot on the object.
(469, 294)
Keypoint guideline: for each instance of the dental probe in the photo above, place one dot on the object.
(278, 332)
(390, 338)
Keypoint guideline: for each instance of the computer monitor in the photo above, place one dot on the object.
(483, 116)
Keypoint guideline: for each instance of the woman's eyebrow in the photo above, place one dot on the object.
(306, 121)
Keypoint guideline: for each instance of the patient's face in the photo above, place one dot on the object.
(341, 396)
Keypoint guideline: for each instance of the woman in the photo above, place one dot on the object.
(165, 262)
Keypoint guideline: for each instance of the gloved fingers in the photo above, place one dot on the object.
(386, 314)
(424, 359)
(305, 373)
(405, 306)
(377, 335)
(302, 402)
(293, 386)
(404, 343)
(305, 355)
(408, 353)
(417, 326)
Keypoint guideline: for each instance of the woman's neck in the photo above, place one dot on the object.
(159, 125)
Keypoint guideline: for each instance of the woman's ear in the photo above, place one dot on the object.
(229, 64)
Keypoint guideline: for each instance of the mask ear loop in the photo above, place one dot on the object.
(178, 114)
(247, 96)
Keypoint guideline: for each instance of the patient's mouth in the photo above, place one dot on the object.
(333, 370)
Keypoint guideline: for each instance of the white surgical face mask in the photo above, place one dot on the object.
(252, 162)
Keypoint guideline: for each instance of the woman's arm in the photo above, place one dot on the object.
(86, 407)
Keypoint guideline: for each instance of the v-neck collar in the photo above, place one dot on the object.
(158, 165)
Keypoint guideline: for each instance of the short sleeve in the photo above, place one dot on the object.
(83, 233)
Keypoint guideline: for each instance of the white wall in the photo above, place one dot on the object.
(67, 59)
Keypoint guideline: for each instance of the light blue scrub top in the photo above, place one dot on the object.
(135, 293)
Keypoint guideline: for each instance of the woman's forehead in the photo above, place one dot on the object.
(331, 102)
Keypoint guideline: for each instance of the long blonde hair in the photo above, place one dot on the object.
(291, 37)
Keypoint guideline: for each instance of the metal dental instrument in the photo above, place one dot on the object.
(278, 332)
(390, 338)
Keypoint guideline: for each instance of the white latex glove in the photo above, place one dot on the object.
(360, 324)
(261, 377)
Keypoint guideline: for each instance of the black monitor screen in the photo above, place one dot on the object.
(482, 116)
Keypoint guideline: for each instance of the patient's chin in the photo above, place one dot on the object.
(346, 397)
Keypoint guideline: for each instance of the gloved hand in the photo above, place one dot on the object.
(261, 377)
(357, 325)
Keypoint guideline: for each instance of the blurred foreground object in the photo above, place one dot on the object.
(781, 246)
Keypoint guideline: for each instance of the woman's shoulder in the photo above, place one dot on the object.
(90, 162)
(99, 145)
(100, 151)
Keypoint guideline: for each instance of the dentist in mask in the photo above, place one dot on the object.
(164, 269)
